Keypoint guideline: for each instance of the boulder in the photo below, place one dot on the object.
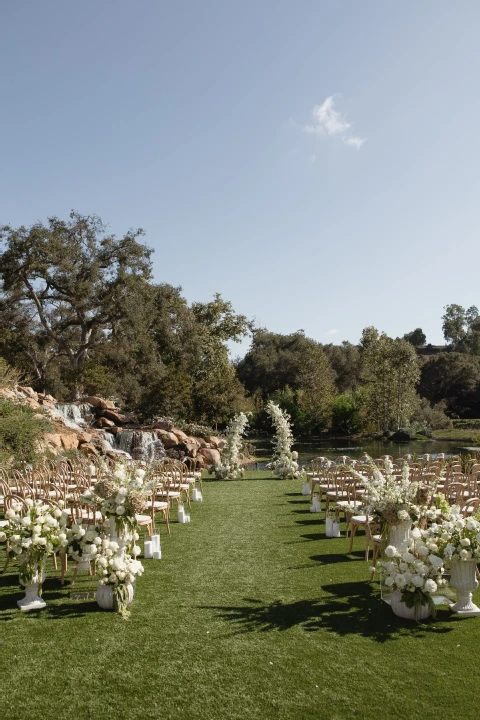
(104, 422)
(214, 442)
(28, 392)
(120, 418)
(190, 449)
(69, 442)
(163, 425)
(93, 400)
(168, 438)
(211, 456)
(400, 436)
(194, 441)
(53, 439)
(88, 449)
(84, 437)
(182, 437)
(107, 405)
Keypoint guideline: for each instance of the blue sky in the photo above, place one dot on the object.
(317, 163)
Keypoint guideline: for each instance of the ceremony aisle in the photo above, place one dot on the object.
(251, 614)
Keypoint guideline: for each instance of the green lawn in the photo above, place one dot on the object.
(252, 614)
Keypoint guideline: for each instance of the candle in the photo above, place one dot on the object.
(335, 529)
(156, 543)
(181, 514)
(148, 549)
(157, 554)
(187, 518)
(328, 527)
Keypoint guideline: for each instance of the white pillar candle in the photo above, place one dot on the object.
(148, 549)
(335, 529)
(328, 527)
(156, 543)
(187, 518)
(157, 554)
(181, 514)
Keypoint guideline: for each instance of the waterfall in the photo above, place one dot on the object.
(141, 445)
(74, 415)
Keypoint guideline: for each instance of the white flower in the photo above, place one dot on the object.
(139, 473)
(389, 581)
(97, 541)
(465, 542)
(26, 521)
(112, 578)
(416, 533)
(408, 557)
(102, 562)
(436, 561)
(430, 586)
(113, 545)
(465, 554)
(120, 510)
(3, 537)
(417, 581)
(136, 550)
(400, 581)
(390, 551)
(10, 514)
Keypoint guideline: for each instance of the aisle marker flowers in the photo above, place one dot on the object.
(229, 467)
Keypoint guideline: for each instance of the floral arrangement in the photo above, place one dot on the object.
(454, 538)
(284, 462)
(35, 535)
(84, 544)
(122, 494)
(229, 467)
(118, 570)
(414, 571)
(390, 501)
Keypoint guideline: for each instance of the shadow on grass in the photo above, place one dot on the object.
(350, 609)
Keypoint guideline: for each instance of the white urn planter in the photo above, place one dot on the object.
(401, 610)
(464, 581)
(399, 534)
(105, 596)
(32, 599)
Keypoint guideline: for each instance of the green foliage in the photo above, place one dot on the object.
(455, 378)
(347, 413)
(457, 323)
(20, 433)
(9, 376)
(432, 417)
(417, 337)
(391, 372)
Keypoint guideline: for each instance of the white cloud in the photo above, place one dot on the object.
(327, 120)
(312, 158)
(334, 331)
(355, 141)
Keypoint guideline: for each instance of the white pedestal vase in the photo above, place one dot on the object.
(32, 599)
(399, 534)
(400, 608)
(464, 581)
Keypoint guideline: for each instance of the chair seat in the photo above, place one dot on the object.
(337, 493)
(377, 539)
(361, 519)
(143, 519)
(347, 503)
(3, 523)
(158, 504)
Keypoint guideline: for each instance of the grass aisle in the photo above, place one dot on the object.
(251, 614)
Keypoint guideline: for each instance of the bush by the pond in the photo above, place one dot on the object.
(20, 433)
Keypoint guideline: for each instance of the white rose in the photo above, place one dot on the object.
(26, 522)
(136, 550)
(390, 551)
(102, 562)
(436, 561)
(97, 541)
(465, 542)
(41, 541)
(465, 554)
(430, 586)
(139, 473)
(10, 514)
(112, 578)
(120, 510)
(29, 502)
(3, 537)
(408, 557)
(400, 581)
(417, 581)
(416, 534)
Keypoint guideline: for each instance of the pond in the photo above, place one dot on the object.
(333, 447)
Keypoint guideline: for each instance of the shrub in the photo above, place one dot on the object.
(346, 414)
(20, 433)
